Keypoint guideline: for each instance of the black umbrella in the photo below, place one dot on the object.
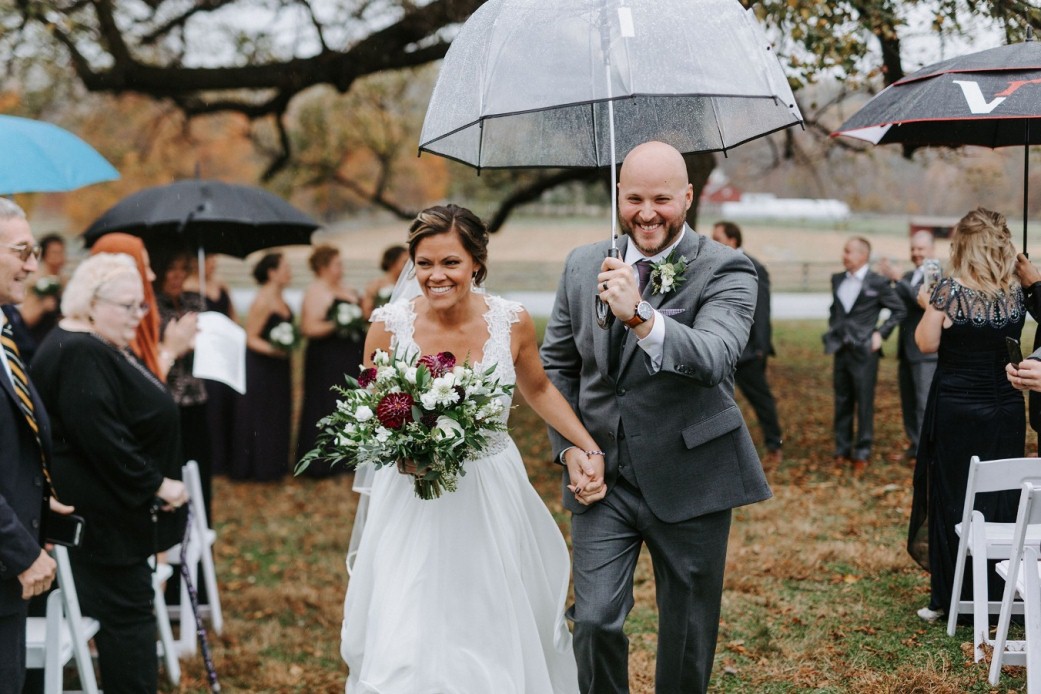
(989, 98)
(210, 215)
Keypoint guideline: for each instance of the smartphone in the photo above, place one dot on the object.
(1015, 354)
(932, 273)
(64, 530)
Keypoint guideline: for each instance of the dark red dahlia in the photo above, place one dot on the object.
(460, 392)
(433, 364)
(367, 377)
(447, 360)
(395, 410)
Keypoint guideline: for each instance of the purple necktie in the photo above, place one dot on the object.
(644, 268)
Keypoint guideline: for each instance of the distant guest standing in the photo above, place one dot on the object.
(916, 369)
(855, 339)
(750, 376)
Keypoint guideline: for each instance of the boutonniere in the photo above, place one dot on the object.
(667, 274)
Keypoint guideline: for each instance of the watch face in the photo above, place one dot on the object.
(644, 311)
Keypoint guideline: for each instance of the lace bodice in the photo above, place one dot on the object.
(400, 319)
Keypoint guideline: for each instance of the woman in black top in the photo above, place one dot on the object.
(116, 458)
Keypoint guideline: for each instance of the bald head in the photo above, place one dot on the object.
(653, 196)
(922, 247)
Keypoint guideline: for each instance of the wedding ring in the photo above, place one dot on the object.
(605, 286)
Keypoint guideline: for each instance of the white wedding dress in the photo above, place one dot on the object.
(463, 594)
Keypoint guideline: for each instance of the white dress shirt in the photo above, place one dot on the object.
(654, 344)
(3, 354)
(850, 287)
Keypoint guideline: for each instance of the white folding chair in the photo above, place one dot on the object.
(167, 646)
(200, 539)
(1021, 574)
(983, 540)
(52, 641)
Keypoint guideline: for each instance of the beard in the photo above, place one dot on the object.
(672, 231)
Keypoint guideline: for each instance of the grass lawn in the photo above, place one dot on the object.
(820, 594)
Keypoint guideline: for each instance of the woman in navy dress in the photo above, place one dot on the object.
(260, 449)
(332, 351)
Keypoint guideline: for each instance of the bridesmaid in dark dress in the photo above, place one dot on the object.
(972, 408)
(332, 350)
(261, 431)
(220, 403)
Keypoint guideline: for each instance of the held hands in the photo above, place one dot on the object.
(173, 492)
(617, 288)
(1025, 376)
(38, 577)
(587, 476)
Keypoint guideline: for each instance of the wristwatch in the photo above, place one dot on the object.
(641, 314)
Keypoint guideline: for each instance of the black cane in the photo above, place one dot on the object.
(193, 596)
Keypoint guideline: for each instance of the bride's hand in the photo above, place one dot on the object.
(407, 466)
(587, 476)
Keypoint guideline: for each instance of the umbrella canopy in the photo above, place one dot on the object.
(212, 216)
(531, 83)
(42, 158)
(991, 98)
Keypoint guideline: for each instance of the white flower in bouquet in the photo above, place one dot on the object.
(447, 429)
(363, 414)
(347, 319)
(48, 285)
(284, 336)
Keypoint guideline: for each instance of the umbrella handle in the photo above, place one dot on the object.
(604, 317)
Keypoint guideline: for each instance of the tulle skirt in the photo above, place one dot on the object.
(459, 595)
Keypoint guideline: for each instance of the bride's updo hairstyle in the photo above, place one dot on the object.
(442, 219)
(982, 252)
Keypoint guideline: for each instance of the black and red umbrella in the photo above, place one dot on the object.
(991, 98)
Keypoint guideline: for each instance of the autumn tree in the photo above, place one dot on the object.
(277, 63)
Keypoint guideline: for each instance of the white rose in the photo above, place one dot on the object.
(382, 434)
(447, 429)
(380, 358)
(363, 413)
(410, 374)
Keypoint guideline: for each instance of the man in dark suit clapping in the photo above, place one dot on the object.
(859, 295)
(750, 375)
(916, 369)
(25, 569)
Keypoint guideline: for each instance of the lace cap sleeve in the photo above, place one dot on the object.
(397, 317)
(941, 296)
(965, 305)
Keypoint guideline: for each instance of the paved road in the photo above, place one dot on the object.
(785, 306)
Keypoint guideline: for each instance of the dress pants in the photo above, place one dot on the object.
(750, 377)
(121, 599)
(688, 557)
(915, 377)
(12, 650)
(856, 371)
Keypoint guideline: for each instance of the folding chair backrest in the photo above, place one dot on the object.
(193, 481)
(1029, 514)
(996, 476)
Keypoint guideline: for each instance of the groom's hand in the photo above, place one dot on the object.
(587, 476)
(618, 288)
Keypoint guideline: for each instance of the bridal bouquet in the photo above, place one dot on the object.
(425, 409)
(283, 336)
(47, 286)
(347, 319)
(383, 295)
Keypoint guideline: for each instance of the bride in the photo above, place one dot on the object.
(465, 594)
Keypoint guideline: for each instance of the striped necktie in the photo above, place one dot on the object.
(21, 389)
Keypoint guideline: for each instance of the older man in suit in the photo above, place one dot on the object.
(26, 569)
(916, 369)
(855, 339)
(750, 376)
(656, 392)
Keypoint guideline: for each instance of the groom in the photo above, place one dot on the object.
(656, 392)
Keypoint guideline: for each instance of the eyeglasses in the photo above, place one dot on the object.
(141, 308)
(24, 250)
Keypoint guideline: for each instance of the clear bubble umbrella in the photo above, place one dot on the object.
(579, 83)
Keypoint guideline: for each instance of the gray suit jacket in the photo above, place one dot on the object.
(690, 450)
(853, 329)
(908, 293)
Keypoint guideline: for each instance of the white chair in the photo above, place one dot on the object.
(983, 540)
(200, 539)
(52, 641)
(1021, 573)
(167, 646)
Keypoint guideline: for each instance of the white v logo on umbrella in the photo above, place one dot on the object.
(974, 97)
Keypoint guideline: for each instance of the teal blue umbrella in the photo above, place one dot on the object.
(39, 157)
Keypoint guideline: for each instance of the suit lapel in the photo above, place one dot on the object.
(689, 247)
